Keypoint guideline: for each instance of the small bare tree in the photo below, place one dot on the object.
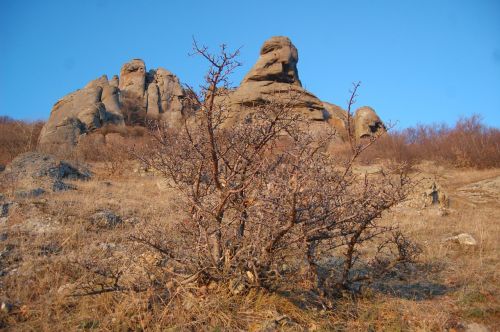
(263, 191)
(262, 201)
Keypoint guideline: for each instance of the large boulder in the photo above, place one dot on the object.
(79, 113)
(133, 79)
(366, 122)
(275, 75)
(166, 99)
(130, 98)
(34, 173)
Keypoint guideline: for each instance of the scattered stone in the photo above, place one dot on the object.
(29, 193)
(434, 195)
(5, 208)
(61, 186)
(476, 327)
(277, 324)
(6, 307)
(66, 289)
(49, 249)
(464, 239)
(236, 286)
(106, 219)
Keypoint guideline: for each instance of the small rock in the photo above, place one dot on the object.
(106, 218)
(236, 286)
(464, 239)
(65, 289)
(61, 186)
(277, 324)
(4, 209)
(49, 249)
(475, 327)
(6, 307)
(29, 193)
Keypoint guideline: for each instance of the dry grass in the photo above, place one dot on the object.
(17, 137)
(451, 286)
(42, 237)
(470, 143)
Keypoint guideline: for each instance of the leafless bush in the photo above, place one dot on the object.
(250, 205)
(260, 200)
(17, 137)
(470, 143)
(110, 145)
(133, 109)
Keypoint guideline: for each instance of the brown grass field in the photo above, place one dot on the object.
(451, 288)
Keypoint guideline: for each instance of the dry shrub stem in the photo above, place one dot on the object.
(262, 194)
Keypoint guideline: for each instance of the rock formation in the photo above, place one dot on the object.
(137, 94)
(157, 94)
(275, 73)
(367, 122)
(80, 112)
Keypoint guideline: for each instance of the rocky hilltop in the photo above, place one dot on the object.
(138, 94)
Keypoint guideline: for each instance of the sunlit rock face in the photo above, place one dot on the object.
(138, 95)
(275, 74)
(367, 123)
(80, 112)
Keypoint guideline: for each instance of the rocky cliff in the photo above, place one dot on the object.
(138, 94)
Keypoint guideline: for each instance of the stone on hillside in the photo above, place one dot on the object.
(434, 195)
(37, 173)
(79, 113)
(133, 79)
(366, 122)
(275, 75)
(464, 239)
(106, 219)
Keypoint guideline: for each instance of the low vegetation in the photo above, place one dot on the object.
(256, 226)
(16, 137)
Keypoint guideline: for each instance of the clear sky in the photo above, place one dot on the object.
(419, 61)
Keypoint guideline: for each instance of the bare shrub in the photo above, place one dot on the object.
(133, 109)
(110, 146)
(470, 143)
(251, 207)
(16, 137)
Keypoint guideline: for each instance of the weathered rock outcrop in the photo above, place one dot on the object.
(367, 122)
(275, 74)
(157, 94)
(137, 94)
(80, 112)
(35, 173)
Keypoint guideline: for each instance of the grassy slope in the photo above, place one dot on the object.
(452, 285)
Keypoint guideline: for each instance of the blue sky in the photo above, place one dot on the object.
(419, 61)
